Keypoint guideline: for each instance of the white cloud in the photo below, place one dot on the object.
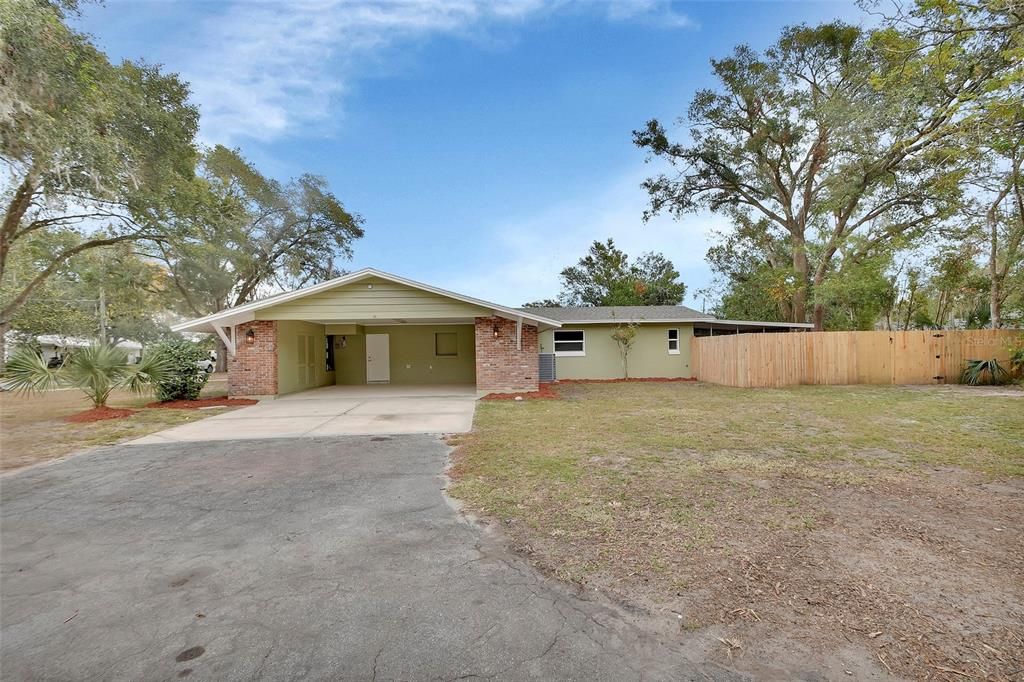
(264, 70)
(525, 254)
(651, 12)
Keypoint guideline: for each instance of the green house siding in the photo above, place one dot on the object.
(301, 361)
(649, 356)
(349, 358)
(412, 350)
(371, 299)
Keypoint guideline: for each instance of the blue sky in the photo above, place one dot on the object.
(485, 143)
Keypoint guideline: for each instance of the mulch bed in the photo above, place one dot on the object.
(203, 402)
(98, 414)
(550, 391)
(546, 392)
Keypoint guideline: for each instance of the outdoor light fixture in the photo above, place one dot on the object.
(496, 330)
(250, 337)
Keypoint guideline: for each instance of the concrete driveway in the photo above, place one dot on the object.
(312, 558)
(334, 411)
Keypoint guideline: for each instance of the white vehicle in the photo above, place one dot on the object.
(209, 364)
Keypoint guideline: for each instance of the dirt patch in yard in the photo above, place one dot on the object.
(202, 402)
(854, 532)
(97, 414)
(922, 574)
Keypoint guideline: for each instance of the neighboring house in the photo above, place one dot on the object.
(54, 346)
(371, 327)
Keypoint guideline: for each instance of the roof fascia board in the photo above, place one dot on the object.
(231, 313)
(695, 320)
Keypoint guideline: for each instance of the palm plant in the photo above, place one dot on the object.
(1017, 360)
(977, 372)
(96, 371)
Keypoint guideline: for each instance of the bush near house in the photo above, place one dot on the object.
(182, 379)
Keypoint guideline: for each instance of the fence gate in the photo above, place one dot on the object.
(937, 355)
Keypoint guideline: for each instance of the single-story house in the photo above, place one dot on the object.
(372, 327)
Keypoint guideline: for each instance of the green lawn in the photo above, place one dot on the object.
(654, 491)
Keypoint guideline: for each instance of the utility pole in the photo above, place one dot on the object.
(103, 316)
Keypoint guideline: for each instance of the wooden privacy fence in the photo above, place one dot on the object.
(915, 357)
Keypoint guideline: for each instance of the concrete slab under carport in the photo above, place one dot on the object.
(376, 391)
(335, 411)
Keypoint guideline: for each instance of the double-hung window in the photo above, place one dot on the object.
(570, 342)
(673, 342)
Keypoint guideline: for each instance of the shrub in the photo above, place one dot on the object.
(977, 372)
(182, 378)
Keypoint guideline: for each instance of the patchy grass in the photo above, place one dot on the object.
(837, 528)
(33, 429)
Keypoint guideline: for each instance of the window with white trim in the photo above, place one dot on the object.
(570, 342)
(673, 342)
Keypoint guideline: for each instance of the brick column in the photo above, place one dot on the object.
(500, 366)
(253, 370)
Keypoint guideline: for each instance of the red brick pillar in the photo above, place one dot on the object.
(253, 369)
(501, 367)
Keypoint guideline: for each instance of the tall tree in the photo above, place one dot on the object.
(109, 293)
(990, 34)
(753, 280)
(55, 306)
(89, 149)
(252, 235)
(833, 135)
(257, 234)
(606, 276)
(997, 193)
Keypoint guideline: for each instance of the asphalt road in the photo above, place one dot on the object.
(316, 558)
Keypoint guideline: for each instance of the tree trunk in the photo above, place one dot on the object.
(4, 328)
(12, 218)
(819, 317)
(995, 302)
(995, 293)
(910, 307)
(819, 308)
(799, 310)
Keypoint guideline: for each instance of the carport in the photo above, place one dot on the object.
(371, 327)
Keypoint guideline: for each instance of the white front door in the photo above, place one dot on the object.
(378, 359)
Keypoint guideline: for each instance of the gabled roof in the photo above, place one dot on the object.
(651, 314)
(622, 313)
(246, 312)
